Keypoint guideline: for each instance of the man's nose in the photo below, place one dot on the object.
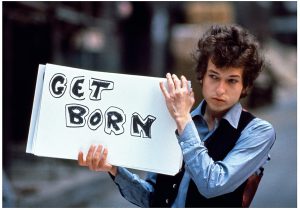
(221, 88)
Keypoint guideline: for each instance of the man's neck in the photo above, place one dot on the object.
(211, 117)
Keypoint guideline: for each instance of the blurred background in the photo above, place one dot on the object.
(141, 38)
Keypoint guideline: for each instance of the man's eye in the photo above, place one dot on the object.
(213, 76)
(232, 81)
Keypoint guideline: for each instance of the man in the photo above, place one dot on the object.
(222, 144)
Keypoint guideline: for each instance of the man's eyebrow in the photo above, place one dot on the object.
(212, 71)
(235, 75)
(231, 76)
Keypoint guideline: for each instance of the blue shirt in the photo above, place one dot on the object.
(213, 178)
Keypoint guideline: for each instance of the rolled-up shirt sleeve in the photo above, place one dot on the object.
(214, 178)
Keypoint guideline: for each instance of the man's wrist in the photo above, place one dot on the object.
(113, 170)
(181, 123)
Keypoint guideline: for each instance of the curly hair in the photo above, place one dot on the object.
(230, 46)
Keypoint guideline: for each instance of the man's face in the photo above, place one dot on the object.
(222, 87)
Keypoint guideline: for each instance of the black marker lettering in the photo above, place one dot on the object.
(95, 119)
(115, 118)
(75, 115)
(97, 86)
(76, 91)
(58, 85)
(141, 126)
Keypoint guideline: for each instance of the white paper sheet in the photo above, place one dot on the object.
(125, 113)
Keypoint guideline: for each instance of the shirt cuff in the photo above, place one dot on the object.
(189, 136)
(123, 177)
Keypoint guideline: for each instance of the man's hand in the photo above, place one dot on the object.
(96, 160)
(179, 100)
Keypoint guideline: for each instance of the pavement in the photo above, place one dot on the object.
(52, 183)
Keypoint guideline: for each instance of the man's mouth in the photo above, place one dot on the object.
(219, 99)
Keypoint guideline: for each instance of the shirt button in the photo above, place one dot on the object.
(167, 201)
(174, 186)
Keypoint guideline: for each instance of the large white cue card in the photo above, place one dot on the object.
(75, 108)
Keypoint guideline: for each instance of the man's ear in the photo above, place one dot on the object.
(244, 92)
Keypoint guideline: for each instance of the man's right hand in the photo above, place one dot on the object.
(96, 160)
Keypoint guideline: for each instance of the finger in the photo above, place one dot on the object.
(192, 97)
(164, 90)
(184, 83)
(192, 93)
(176, 81)
(103, 159)
(89, 157)
(80, 160)
(96, 157)
(170, 84)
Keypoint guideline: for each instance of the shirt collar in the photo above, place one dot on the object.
(232, 116)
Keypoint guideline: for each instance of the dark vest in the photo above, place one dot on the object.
(218, 145)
